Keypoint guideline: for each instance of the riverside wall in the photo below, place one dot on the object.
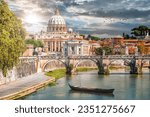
(18, 72)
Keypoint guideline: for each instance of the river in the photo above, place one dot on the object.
(127, 87)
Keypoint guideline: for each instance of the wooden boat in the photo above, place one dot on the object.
(86, 92)
(95, 90)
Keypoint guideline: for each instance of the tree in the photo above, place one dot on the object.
(108, 50)
(126, 36)
(11, 38)
(39, 44)
(99, 51)
(35, 43)
(95, 38)
(140, 31)
(90, 37)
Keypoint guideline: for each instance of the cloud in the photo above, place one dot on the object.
(99, 16)
(120, 13)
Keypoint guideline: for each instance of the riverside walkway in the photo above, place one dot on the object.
(24, 86)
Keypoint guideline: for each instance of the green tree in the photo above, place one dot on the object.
(126, 36)
(35, 43)
(140, 31)
(39, 44)
(95, 38)
(11, 38)
(108, 50)
(90, 37)
(99, 51)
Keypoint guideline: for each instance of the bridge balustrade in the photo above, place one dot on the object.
(147, 57)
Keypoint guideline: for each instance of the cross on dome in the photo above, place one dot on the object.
(57, 12)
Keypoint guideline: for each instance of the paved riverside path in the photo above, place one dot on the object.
(22, 84)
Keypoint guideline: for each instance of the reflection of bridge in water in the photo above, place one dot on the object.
(103, 63)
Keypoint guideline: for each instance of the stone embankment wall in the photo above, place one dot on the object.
(22, 70)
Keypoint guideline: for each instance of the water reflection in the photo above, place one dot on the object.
(127, 87)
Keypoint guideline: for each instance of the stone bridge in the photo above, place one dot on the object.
(102, 62)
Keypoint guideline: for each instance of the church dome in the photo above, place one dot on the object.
(57, 23)
(57, 20)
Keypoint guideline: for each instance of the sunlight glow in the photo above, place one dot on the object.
(32, 18)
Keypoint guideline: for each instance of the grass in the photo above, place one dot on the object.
(83, 69)
(116, 67)
(59, 73)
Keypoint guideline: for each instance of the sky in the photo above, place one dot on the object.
(112, 17)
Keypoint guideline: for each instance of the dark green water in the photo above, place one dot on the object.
(127, 87)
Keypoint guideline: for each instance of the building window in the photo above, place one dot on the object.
(49, 48)
(79, 50)
(73, 50)
(66, 52)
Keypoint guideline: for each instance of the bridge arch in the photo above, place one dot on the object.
(53, 64)
(85, 63)
(117, 62)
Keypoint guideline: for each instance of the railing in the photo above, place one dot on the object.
(87, 57)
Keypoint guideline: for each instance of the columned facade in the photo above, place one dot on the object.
(57, 35)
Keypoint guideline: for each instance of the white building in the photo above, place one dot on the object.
(58, 37)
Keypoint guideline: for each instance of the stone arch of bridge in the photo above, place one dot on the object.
(117, 62)
(82, 61)
(49, 61)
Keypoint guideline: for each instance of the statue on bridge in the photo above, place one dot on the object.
(133, 68)
(69, 69)
(100, 65)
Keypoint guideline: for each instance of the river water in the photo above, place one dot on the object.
(127, 87)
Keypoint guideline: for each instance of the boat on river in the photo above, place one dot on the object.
(94, 90)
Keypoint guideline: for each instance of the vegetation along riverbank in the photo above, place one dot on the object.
(59, 73)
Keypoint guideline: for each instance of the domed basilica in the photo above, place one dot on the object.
(58, 39)
(57, 24)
